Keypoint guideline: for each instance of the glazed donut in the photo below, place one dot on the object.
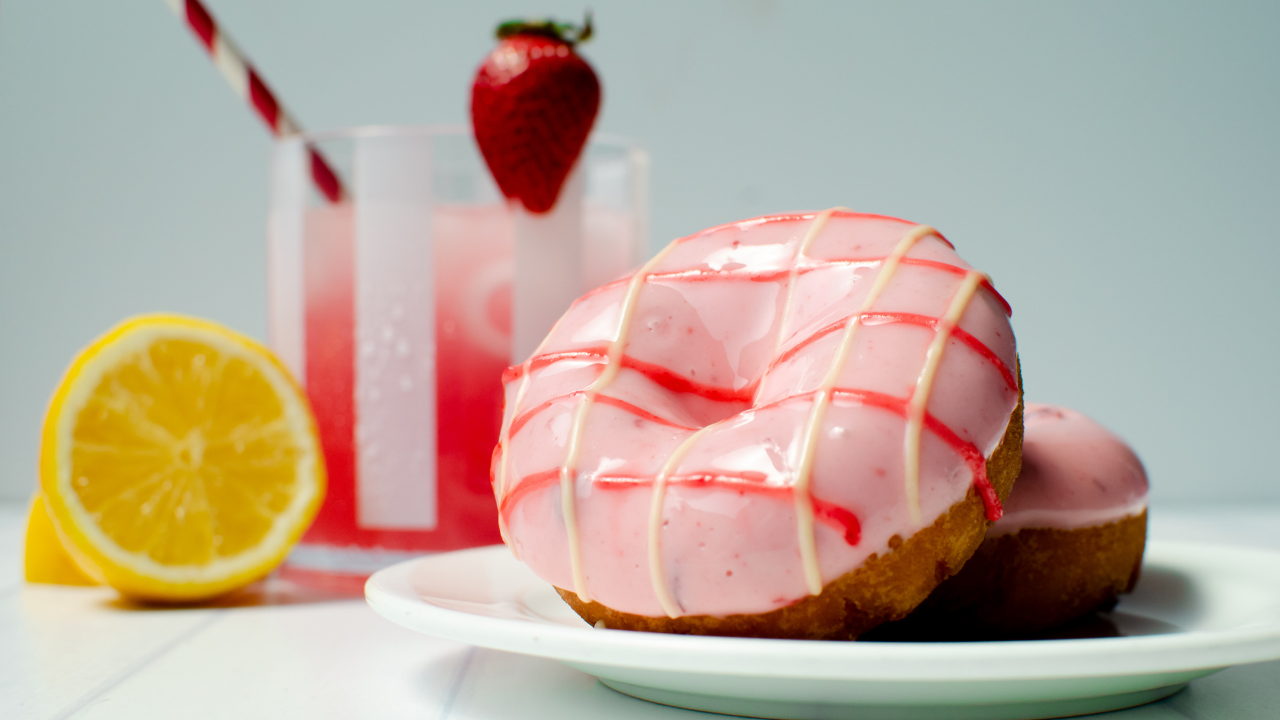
(1070, 541)
(793, 426)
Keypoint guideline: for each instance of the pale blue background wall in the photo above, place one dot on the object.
(1114, 166)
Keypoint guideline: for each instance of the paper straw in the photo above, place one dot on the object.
(249, 86)
(549, 249)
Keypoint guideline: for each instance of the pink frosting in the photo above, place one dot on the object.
(704, 330)
(1075, 473)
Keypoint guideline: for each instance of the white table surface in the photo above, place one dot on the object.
(80, 653)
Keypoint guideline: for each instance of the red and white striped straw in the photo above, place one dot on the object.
(249, 86)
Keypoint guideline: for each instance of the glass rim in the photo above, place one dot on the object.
(357, 132)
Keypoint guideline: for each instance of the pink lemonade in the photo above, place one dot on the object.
(472, 280)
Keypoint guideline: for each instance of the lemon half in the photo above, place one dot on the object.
(179, 460)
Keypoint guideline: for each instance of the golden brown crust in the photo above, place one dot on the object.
(882, 589)
(1029, 581)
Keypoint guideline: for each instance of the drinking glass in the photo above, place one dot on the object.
(393, 309)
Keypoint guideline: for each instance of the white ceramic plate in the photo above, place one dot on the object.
(1197, 609)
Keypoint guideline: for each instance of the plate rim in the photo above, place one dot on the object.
(1190, 651)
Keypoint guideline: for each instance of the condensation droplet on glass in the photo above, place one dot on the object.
(374, 393)
(402, 347)
(406, 383)
(388, 332)
(368, 348)
(397, 311)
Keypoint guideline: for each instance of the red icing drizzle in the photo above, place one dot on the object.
(967, 451)
(791, 217)
(657, 373)
(829, 513)
(876, 318)
(599, 400)
(740, 274)
(678, 383)
(833, 514)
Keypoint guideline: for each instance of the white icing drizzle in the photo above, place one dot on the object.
(568, 471)
(815, 229)
(924, 384)
(656, 576)
(822, 398)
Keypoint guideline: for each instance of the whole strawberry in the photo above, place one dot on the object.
(532, 105)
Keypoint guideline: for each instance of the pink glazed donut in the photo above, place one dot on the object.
(1075, 474)
(1071, 539)
(792, 426)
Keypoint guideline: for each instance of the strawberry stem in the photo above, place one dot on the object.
(564, 32)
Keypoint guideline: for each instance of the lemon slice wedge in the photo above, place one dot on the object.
(179, 460)
(43, 558)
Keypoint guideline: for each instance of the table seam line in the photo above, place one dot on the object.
(107, 685)
(447, 708)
